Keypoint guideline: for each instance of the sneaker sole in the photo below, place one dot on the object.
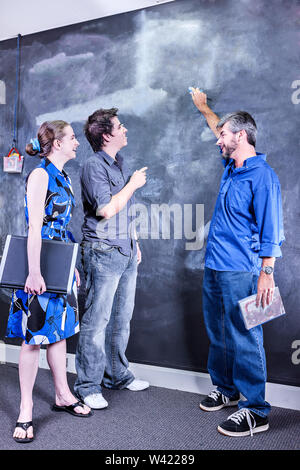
(137, 389)
(217, 408)
(243, 434)
(96, 407)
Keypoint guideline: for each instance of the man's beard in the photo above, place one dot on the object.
(229, 149)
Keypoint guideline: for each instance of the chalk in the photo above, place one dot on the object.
(191, 89)
(191, 92)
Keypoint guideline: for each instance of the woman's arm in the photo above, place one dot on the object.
(36, 194)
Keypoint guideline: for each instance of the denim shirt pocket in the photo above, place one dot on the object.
(116, 184)
(116, 181)
(239, 196)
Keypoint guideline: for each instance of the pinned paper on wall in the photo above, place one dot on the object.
(13, 162)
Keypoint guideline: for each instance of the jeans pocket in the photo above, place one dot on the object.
(102, 247)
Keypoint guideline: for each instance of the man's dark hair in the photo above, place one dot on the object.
(238, 121)
(99, 123)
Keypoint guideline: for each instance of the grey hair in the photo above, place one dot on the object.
(238, 121)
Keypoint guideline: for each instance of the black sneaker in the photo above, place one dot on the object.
(243, 423)
(216, 401)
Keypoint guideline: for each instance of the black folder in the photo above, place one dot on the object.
(58, 261)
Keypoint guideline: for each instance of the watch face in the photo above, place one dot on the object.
(268, 269)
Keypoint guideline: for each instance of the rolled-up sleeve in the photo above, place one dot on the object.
(267, 205)
(96, 186)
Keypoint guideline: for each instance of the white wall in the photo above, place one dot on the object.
(32, 16)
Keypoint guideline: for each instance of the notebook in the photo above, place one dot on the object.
(58, 261)
(254, 316)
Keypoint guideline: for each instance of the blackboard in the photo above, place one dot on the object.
(244, 55)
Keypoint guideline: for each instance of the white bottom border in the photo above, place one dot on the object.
(283, 396)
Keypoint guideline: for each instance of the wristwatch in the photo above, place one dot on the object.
(267, 269)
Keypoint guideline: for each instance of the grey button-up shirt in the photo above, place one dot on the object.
(101, 178)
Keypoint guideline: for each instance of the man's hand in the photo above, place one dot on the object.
(138, 179)
(200, 99)
(139, 254)
(265, 289)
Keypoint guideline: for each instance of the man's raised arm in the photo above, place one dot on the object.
(200, 101)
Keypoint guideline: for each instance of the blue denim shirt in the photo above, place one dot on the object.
(247, 221)
(101, 178)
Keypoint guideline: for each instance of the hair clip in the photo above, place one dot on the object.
(35, 144)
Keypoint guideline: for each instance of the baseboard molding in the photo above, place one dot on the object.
(283, 396)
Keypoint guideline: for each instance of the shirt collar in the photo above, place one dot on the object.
(253, 161)
(109, 160)
(250, 162)
(53, 170)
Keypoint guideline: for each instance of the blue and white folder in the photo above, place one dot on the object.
(58, 261)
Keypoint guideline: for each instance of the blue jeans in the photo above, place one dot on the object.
(236, 360)
(105, 326)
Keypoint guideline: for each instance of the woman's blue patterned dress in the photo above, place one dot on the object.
(47, 318)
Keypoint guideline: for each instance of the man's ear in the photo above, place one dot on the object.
(242, 134)
(106, 137)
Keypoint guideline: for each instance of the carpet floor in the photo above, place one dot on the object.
(155, 419)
